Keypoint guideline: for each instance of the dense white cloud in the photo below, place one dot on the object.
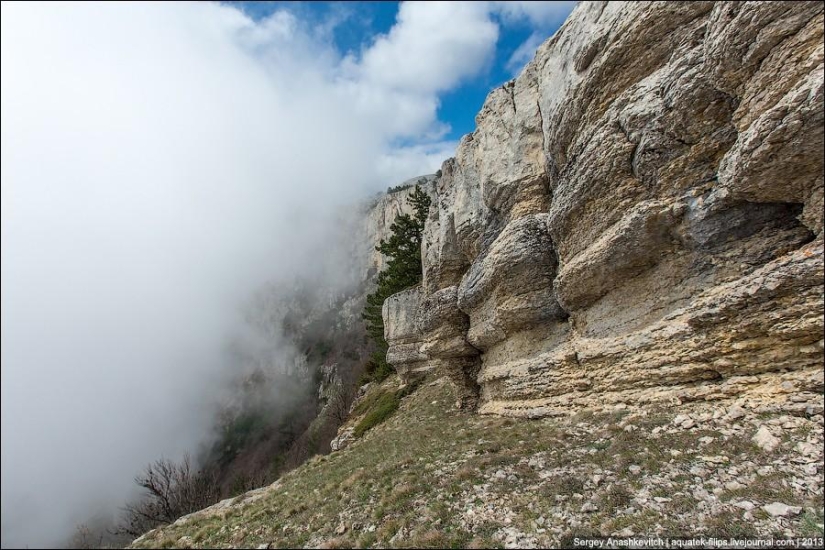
(433, 46)
(161, 161)
(406, 159)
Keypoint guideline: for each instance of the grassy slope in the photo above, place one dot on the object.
(433, 476)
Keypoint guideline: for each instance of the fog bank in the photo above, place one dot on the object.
(160, 162)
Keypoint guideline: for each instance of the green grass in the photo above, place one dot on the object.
(617, 496)
(812, 524)
(382, 409)
(378, 406)
(369, 401)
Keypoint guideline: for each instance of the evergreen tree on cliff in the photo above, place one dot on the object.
(403, 270)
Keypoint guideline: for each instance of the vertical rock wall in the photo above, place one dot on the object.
(637, 217)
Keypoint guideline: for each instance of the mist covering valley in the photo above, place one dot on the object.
(183, 198)
(161, 170)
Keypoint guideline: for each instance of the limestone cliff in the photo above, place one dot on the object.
(377, 218)
(637, 217)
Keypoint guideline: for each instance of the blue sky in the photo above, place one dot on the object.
(355, 26)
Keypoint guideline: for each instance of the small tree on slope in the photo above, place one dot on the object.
(403, 270)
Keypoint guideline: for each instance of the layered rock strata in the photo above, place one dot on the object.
(637, 217)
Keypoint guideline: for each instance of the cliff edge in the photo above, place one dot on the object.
(637, 218)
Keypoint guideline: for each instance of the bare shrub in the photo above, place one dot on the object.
(171, 490)
(85, 538)
(339, 403)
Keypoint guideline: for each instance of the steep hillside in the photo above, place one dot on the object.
(297, 372)
(435, 476)
(637, 218)
(625, 258)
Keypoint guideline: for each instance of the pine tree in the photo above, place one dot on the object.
(403, 270)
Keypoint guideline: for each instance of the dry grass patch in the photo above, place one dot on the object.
(337, 542)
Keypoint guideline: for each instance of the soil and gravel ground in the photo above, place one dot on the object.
(434, 476)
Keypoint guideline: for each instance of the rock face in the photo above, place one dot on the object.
(637, 217)
(361, 235)
(377, 219)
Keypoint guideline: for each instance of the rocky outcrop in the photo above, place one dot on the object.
(342, 440)
(428, 332)
(637, 217)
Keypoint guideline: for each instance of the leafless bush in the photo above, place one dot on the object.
(339, 403)
(171, 490)
(85, 538)
(298, 452)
